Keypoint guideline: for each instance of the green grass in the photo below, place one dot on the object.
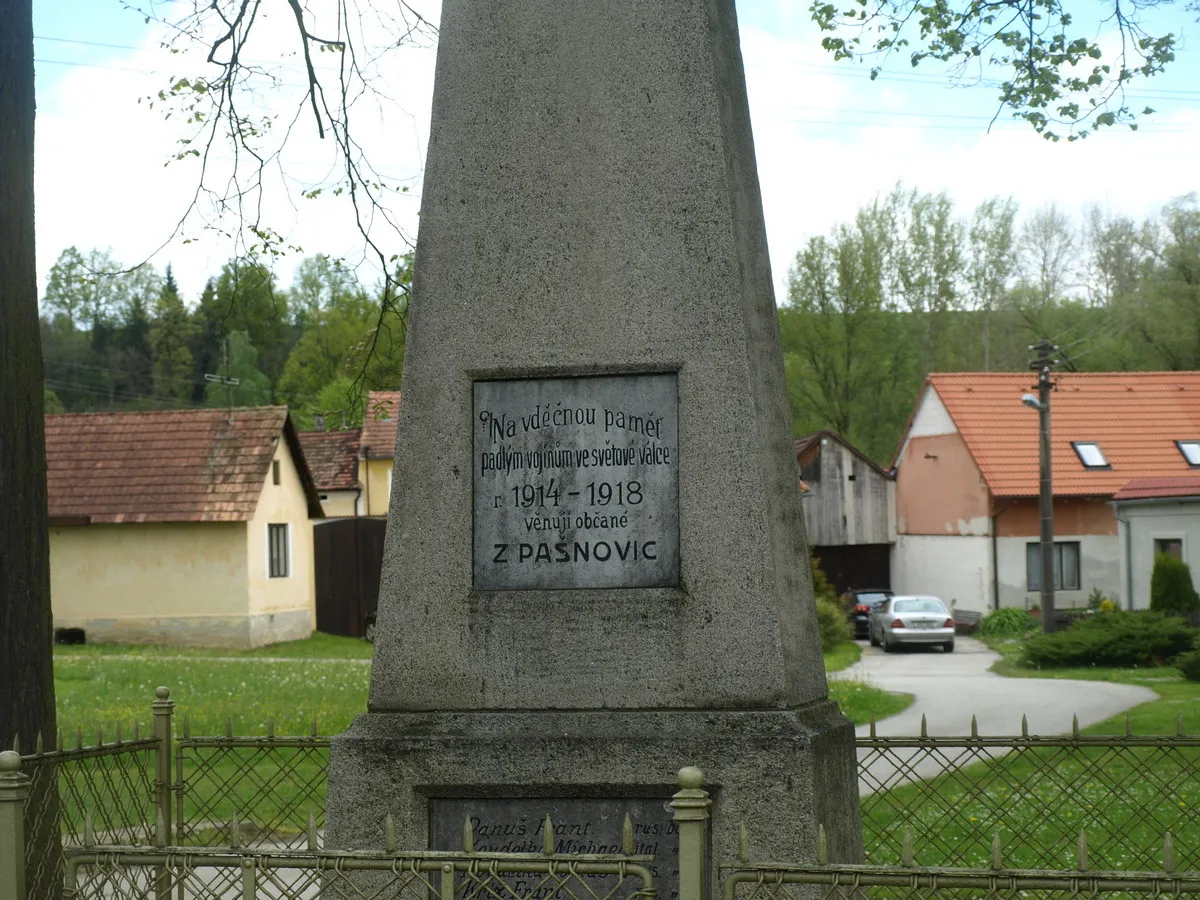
(844, 655)
(319, 646)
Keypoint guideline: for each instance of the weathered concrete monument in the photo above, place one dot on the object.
(596, 569)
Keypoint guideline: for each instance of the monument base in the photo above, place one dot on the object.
(780, 772)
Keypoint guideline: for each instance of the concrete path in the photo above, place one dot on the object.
(948, 688)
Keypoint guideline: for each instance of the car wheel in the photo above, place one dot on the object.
(871, 638)
(369, 633)
(948, 647)
(888, 646)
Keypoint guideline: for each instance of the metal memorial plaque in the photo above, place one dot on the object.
(577, 483)
(581, 826)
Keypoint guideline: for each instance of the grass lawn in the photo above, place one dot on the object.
(860, 702)
(1038, 800)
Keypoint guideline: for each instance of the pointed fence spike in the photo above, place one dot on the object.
(118, 732)
(160, 830)
(100, 736)
(906, 852)
(743, 843)
(229, 728)
(79, 737)
(628, 845)
(58, 744)
(1024, 725)
(974, 728)
(271, 728)
(1168, 853)
(997, 851)
(137, 731)
(39, 745)
(1179, 726)
(1081, 852)
(389, 833)
(16, 744)
(822, 846)
(468, 835)
(924, 728)
(314, 727)
(235, 832)
(312, 833)
(187, 727)
(89, 831)
(547, 835)
(872, 727)
(1075, 727)
(1128, 726)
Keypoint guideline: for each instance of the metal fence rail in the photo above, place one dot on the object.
(956, 794)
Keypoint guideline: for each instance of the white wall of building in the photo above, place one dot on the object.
(1099, 566)
(956, 568)
(1148, 522)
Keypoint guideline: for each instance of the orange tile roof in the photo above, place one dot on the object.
(181, 465)
(1135, 417)
(1160, 488)
(332, 457)
(379, 424)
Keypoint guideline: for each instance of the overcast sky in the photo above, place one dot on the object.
(828, 140)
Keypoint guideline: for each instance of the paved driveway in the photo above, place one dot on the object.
(948, 688)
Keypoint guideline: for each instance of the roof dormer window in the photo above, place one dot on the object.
(1190, 451)
(1090, 455)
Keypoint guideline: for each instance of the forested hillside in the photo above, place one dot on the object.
(913, 286)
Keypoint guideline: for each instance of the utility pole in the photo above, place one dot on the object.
(224, 378)
(1043, 364)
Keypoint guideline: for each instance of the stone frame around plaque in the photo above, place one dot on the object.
(575, 482)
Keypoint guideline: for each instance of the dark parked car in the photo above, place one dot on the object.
(859, 605)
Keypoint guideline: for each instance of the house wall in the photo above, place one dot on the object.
(1146, 522)
(939, 489)
(339, 504)
(1099, 566)
(177, 583)
(1072, 515)
(851, 502)
(377, 486)
(281, 609)
(956, 568)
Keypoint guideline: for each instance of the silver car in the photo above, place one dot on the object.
(908, 620)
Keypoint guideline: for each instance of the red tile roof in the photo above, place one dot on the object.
(183, 465)
(379, 424)
(1156, 488)
(332, 457)
(1135, 417)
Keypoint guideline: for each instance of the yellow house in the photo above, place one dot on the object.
(378, 446)
(181, 526)
(332, 458)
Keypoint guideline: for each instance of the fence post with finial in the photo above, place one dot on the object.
(690, 807)
(162, 709)
(14, 789)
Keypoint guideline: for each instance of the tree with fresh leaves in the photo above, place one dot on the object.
(992, 263)
(242, 382)
(171, 333)
(1063, 67)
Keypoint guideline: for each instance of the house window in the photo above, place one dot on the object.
(275, 471)
(1090, 455)
(278, 551)
(1172, 547)
(1190, 451)
(1066, 566)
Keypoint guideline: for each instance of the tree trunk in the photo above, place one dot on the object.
(26, 636)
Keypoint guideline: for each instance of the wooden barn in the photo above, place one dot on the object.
(849, 511)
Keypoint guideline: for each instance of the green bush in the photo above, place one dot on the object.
(1171, 589)
(1008, 622)
(1189, 664)
(1117, 639)
(831, 617)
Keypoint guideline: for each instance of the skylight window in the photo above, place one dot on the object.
(1190, 451)
(1091, 455)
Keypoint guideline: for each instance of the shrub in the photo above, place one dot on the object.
(831, 618)
(1171, 589)
(1189, 664)
(1008, 622)
(1118, 639)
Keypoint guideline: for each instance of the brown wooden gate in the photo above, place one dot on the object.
(347, 556)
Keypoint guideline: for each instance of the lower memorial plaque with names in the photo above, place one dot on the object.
(591, 825)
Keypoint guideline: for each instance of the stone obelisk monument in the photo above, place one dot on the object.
(595, 570)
